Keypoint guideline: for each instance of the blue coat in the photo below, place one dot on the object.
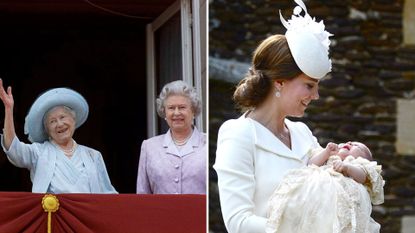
(40, 159)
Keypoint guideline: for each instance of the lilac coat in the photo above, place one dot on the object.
(162, 171)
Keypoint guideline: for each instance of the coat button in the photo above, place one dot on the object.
(176, 180)
(177, 166)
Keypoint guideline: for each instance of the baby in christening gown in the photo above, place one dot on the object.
(333, 194)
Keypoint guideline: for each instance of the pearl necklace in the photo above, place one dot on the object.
(67, 151)
(181, 142)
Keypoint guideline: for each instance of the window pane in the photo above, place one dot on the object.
(168, 57)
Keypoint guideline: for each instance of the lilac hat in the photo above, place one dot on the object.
(308, 42)
(33, 126)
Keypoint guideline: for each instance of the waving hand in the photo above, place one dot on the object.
(6, 97)
(9, 131)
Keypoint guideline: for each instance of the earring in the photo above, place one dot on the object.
(278, 94)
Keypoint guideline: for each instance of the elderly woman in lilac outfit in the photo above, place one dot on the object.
(175, 162)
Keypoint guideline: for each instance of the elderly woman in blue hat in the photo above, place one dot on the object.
(56, 162)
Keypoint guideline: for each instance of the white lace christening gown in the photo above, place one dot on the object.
(320, 200)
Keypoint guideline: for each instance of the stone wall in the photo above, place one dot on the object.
(372, 69)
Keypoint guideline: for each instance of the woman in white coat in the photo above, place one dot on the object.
(257, 149)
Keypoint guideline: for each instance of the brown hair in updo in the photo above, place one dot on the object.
(272, 60)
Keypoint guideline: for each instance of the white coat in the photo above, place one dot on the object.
(250, 162)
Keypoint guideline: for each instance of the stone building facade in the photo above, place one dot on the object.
(369, 95)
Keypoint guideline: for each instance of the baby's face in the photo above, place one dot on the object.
(355, 149)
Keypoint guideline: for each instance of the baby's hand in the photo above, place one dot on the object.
(332, 148)
(340, 166)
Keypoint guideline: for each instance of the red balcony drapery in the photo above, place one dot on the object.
(101, 213)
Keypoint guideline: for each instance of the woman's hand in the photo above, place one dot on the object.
(6, 97)
(8, 130)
